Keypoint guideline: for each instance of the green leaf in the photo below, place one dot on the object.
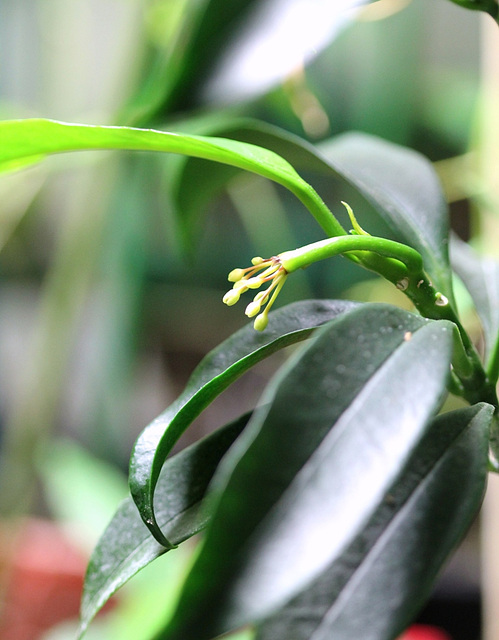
(337, 427)
(127, 546)
(481, 277)
(215, 373)
(400, 183)
(217, 55)
(489, 6)
(29, 140)
(374, 589)
(211, 178)
(403, 187)
(176, 73)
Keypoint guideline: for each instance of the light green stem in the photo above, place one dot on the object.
(403, 266)
(409, 258)
(493, 363)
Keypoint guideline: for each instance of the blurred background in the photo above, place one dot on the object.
(113, 265)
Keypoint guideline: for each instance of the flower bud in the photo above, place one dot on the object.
(253, 308)
(240, 286)
(231, 297)
(261, 322)
(254, 283)
(235, 275)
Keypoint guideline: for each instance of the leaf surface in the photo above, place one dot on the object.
(127, 546)
(481, 277)
(215, 373)
(375, 588)
(338, 425)
(25, 141)
(404, 188)
(211, 178)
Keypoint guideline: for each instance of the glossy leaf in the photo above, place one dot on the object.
(374, 589)
(338, 425)
(25, 141)
(215, 373)
(481, 277)
(127, 546)
(403, 187)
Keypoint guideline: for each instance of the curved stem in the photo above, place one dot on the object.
(403, 266)
(493, 362)
(408, 258)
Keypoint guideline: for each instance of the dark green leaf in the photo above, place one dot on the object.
(374, 589)
(337, 427)
(404, 188)
(214, 374)
(489, 6)
(127, 546)
(481, 277)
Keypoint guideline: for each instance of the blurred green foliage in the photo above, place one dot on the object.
(95, 239)
(104, 314)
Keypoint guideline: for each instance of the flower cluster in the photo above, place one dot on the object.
(261, 272)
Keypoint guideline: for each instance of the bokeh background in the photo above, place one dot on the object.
(112, 268)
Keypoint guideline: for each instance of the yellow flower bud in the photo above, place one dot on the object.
(253, 308)
(231, 297)
(254, 283)
(261, 322)
(240, 286)
(269, 271)
(235, 275)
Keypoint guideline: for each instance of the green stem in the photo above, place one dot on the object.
(493, 363)
(410, 260)
(317, 207)
(403, 266)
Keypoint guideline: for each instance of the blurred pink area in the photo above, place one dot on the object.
(41, 578)
(425, 632)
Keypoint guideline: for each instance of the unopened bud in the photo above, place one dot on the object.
(240, 286)
(254, 283)
(235, 275)
(253, 308)
(231, 297)
(261, 322)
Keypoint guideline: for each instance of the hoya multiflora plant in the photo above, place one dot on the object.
(316, 505)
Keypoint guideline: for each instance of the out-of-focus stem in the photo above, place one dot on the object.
(489, 161)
